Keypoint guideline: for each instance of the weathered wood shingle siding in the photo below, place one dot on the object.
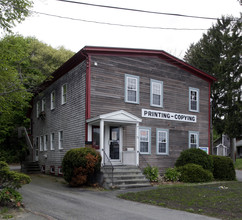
(107, 95)
(69, 117)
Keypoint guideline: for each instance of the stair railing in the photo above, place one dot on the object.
(143, 158)
(108, 159)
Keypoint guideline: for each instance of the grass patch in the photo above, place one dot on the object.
(222, 200)
(238, 164)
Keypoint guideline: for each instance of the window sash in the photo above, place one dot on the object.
(52, 100)
(45, 142)
(41, 143)
(43, 105)
(144, 140)
(60, 139)
(131, 89)
(193, 139)
(52, 141)
(193, 99)
(38, 109)
(156, 90)
(162, 141)
(64, 94)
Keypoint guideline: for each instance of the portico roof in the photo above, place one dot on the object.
(120, 116)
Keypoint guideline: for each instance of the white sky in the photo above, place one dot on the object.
(74, 35)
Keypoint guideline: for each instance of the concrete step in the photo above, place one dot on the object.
(124, 177)
(30, 167)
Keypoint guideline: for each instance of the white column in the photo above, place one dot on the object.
(89, 137)
(137, 143)
(102, 140)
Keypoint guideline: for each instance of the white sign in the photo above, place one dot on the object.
(147, 113)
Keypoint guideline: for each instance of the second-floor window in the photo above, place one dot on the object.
(156, 93)
(41, 143)
(193, 99)
(52, 100)
(43, 105)
(131, 89)
(64, 94)
(45, 142)
(38, 109)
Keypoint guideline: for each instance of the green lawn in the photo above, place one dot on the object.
(222, 200)
(238, 164)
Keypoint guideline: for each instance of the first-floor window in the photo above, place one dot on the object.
(95, 137)
(144, 135)
(60, 139)
(45, 142)
(41, 143)
(162, 141)
(193, 139)
(52, 141)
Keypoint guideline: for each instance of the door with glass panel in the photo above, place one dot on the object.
(114, 143)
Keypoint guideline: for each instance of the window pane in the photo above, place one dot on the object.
(132, 84)
(162, 147)
(162, 137)
(131, 96)
(156, 99)
(144, 147)
(95, 136)
(156, 88)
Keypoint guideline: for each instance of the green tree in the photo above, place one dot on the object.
(25, 64)
(218, 53)
(12, 11)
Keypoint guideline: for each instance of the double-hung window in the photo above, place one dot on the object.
(60, 144)
(131, 89)
(162, 141)
(145, 140)
(45, 142)
(64, 94)
(38, 109)
(52, 141)
(41, 143)
(52, 100)
(193, 99)
(43, 105)
(193, 139)
(156, 93)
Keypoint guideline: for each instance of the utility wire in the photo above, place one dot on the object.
(122, 25)
(138, 10)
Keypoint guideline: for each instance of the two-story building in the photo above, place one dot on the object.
(130, 104)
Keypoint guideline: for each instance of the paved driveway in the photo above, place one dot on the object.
(49, 197)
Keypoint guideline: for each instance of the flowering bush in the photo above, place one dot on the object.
(10, 197)
(172, 174)
(151, 173)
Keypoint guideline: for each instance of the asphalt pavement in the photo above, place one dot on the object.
(48, 197)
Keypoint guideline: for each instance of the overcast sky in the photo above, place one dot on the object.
(74, 35)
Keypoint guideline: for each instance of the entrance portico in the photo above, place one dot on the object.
(108, 130)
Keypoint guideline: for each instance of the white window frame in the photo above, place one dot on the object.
(158, 131)
(41, 143)
(43, 104)
(45, 142)
(149, 139)
(52, 100)
(196, 133)
(152, 83)
(60, 140)
(37, 109)
(190, 99)
(52, 141)
(63, 95)
(136, 78)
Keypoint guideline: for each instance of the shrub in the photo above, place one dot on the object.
(10, 197)
(172, 174)
(12, 179)
(223, 168)
(80, 164)
(195, 156)
(193, 173)
(151, 173)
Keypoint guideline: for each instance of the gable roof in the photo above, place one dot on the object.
(90, 50)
